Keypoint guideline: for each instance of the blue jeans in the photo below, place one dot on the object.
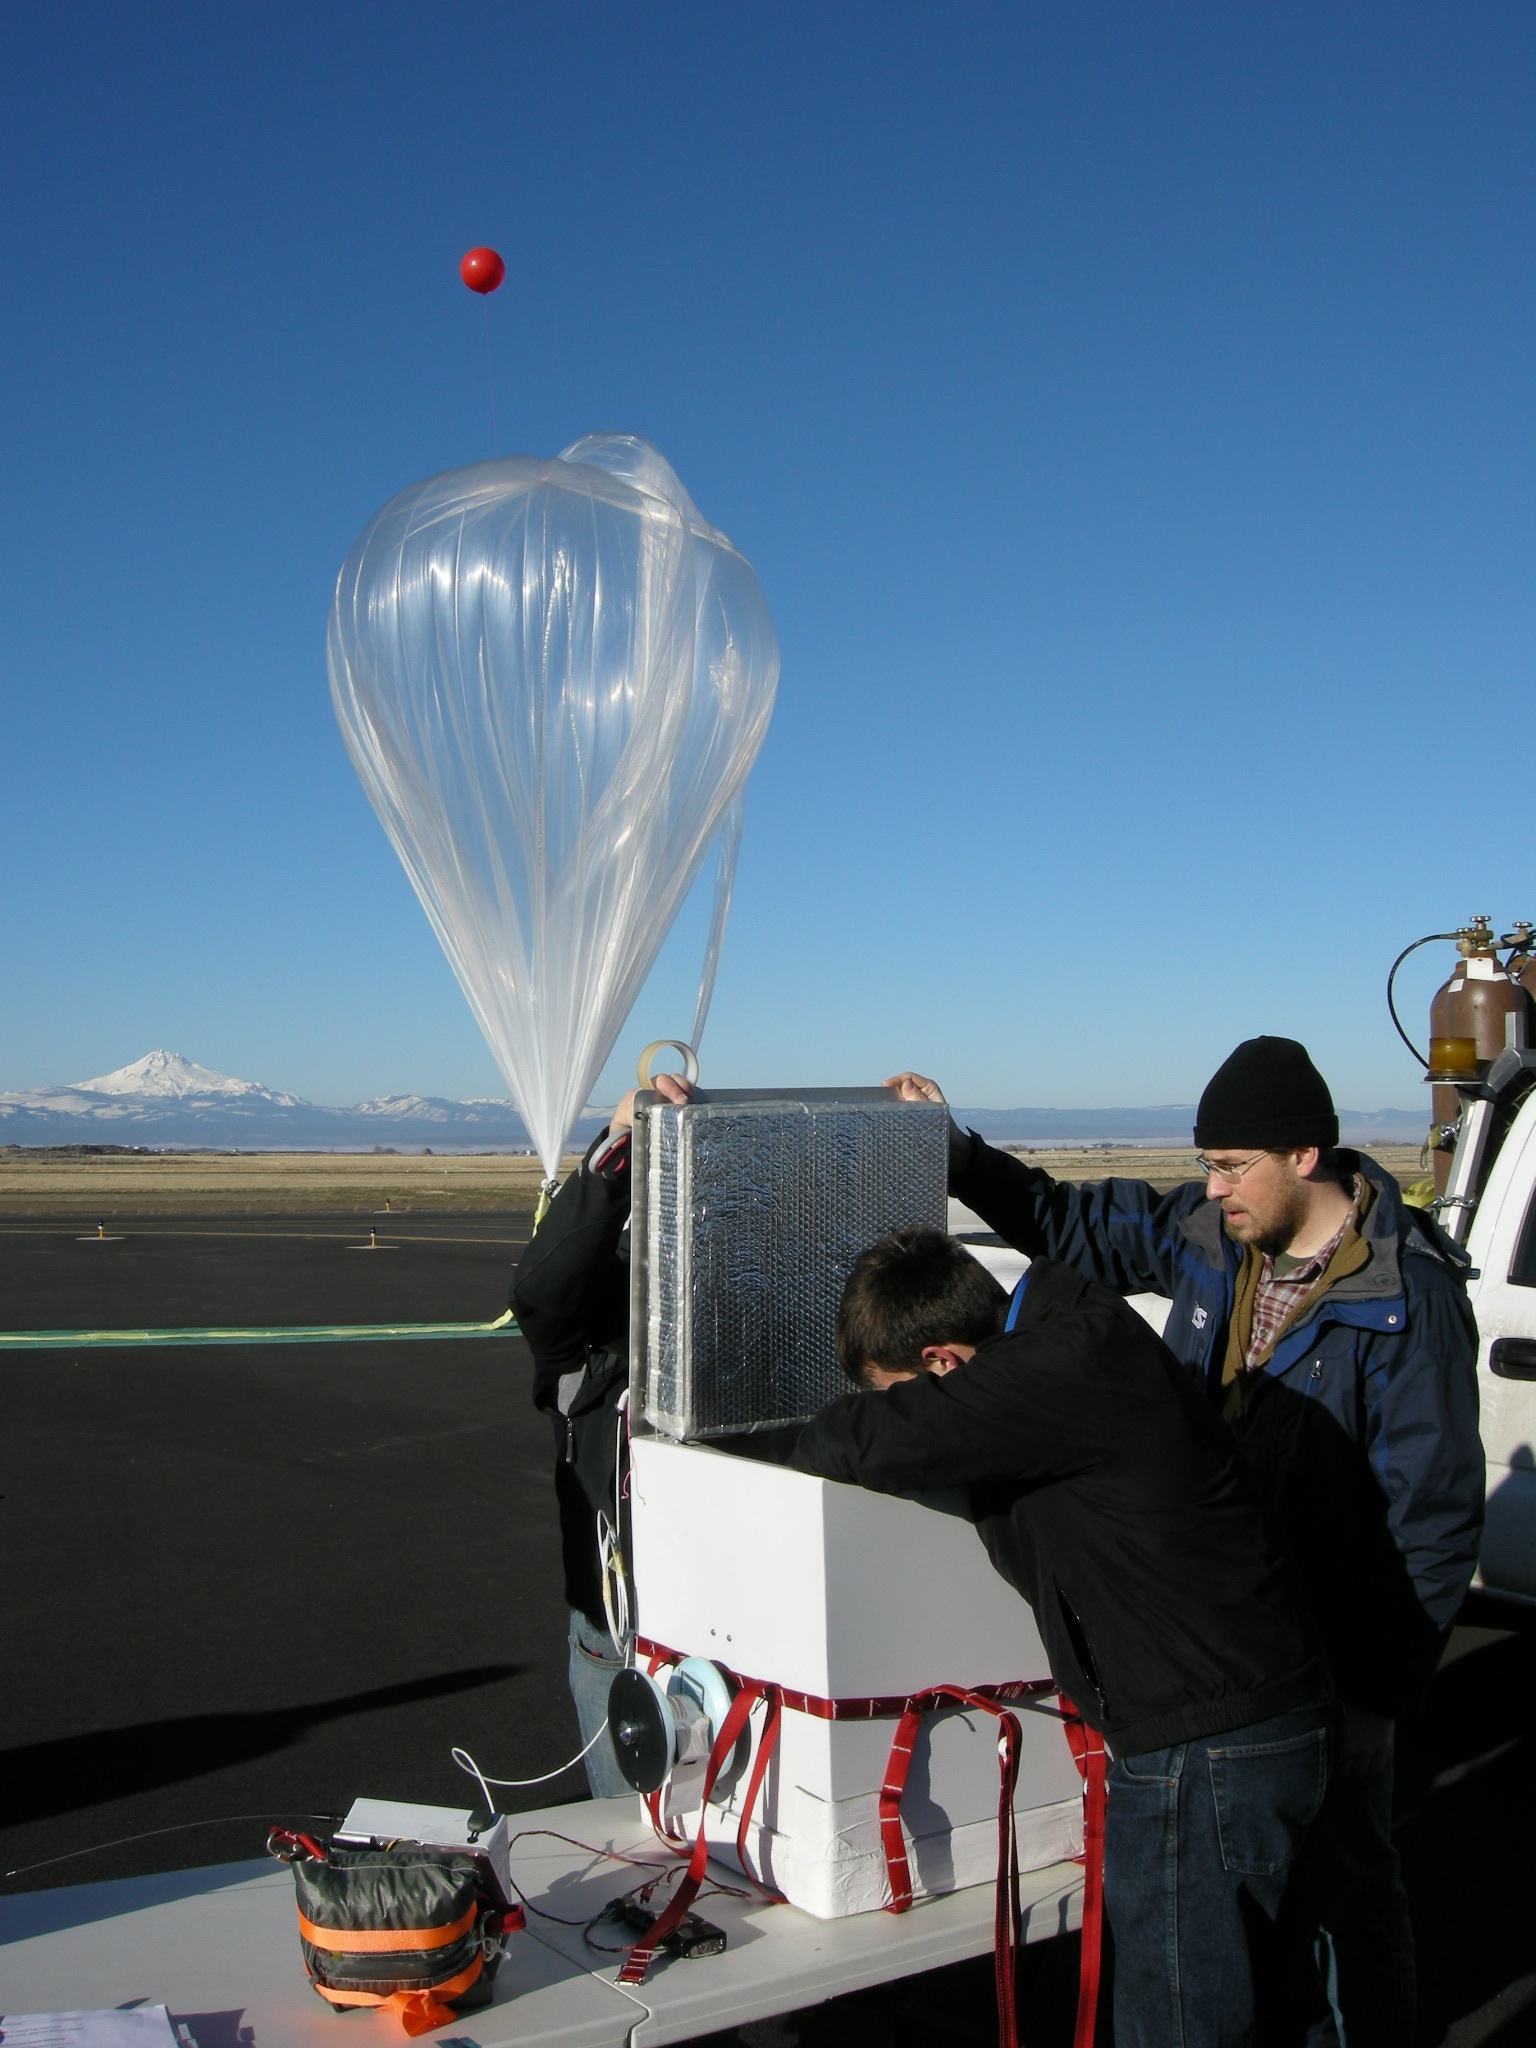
(593, 1663)
(1347, 1931)
(1199, 1841)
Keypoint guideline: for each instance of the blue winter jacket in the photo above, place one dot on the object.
(1362, 1433)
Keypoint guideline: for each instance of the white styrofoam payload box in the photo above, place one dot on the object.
(838, 1593)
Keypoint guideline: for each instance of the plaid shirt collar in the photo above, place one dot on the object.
(1277, 1296)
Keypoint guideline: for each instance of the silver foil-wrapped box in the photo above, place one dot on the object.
(749, 1209)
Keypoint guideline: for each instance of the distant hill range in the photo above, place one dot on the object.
(1169, 1123)
(166, 1100)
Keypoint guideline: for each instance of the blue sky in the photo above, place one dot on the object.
(1128, 410)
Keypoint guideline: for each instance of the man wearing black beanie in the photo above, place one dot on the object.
(1328, 1321)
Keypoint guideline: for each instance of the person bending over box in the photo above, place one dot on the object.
(1109, 1493)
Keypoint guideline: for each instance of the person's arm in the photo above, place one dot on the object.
(1425, 1454)
(986, 1420)
(571, 1287)
(1120, 1232)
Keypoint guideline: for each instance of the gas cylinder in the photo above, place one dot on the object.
(1468, 1025)
(1521, 964)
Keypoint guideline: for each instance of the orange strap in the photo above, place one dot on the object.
(377, 1941)
(419, 2011)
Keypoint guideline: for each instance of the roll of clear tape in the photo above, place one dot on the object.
(690, 1060)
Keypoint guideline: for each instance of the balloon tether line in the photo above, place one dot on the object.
(490, 379)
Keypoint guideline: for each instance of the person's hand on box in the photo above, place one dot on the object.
(914, 1087)
(670, 1087)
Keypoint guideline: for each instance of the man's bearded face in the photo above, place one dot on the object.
(1267, 1206)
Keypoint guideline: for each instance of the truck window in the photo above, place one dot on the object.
(1522, 1272)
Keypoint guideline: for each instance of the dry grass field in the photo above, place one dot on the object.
(41, 1181)
(1165, 1169)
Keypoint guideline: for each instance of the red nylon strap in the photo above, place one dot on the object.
(767, 1742)
(640, 1957)
(778, 1697)
(285, 1845)
(655, 1657)
(891, 1839)
(1007, 1920)
(889, 1708)
(678, 1844)
(1087, 1746)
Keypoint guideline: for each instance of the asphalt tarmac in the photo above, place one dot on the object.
(247, 1583)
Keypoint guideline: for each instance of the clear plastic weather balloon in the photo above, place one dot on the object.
(552, 678)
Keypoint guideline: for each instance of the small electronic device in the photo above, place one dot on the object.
(692, 1936)
(435, 1827)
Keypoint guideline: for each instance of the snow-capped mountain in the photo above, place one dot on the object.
(163, 1074)
(165, 1099)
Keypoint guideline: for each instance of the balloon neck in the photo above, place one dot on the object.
(547, 1191)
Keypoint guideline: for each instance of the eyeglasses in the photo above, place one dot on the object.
(1231, 1174)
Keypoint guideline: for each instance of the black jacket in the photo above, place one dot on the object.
(570, 1295)
(1110, 1495)
(1361, 1438)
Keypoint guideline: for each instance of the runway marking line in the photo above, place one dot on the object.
(255, 1236)
(315, 1333)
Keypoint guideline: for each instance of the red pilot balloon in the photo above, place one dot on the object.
(481, 269)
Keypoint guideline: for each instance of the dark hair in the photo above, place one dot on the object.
(1340, 1162)
(1336, 1161)
(914, 1288)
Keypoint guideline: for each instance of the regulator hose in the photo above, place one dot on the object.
(1428, 939)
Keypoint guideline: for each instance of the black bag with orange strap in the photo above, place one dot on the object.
(415, 1929)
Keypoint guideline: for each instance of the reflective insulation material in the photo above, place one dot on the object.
(750, 1209)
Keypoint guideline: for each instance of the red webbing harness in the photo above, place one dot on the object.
(908, 1712)
(1087, 1747)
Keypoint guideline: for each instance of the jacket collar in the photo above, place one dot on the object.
(1381, 1278)
(1202, 1226)
(1051, 1286)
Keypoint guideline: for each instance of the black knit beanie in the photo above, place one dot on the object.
(1267, 1095)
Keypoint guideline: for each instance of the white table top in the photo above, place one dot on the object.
(219, 1947)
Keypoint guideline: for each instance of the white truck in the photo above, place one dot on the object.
(1501, 1241)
